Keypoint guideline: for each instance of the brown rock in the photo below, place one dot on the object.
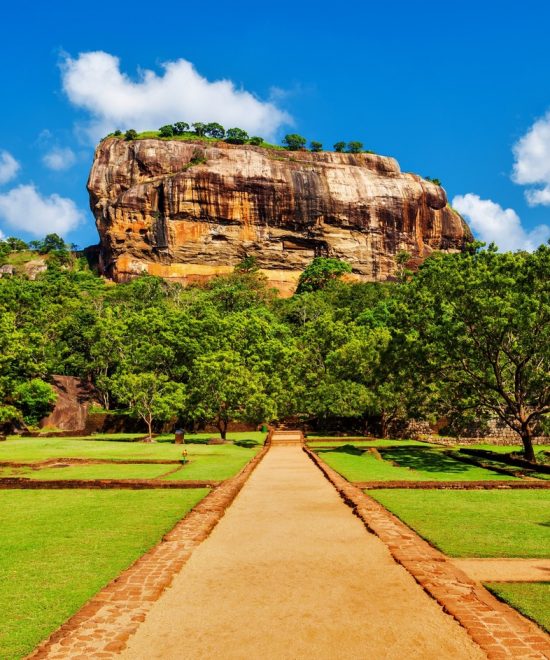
(190, 210)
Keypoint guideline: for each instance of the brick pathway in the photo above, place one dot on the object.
(100, 628)
(497, 628)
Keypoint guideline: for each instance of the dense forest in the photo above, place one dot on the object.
(466, 338)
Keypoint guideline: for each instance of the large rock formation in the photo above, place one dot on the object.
(189, 210)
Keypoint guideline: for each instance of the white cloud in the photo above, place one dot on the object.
(94, 82)
(532, 162)
(8, 167)
(25, 209)
(59, 158)
(491, 223)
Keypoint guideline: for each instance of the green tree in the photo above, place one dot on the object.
(35, 399)
(355, 147)
(52, 243)
(200, 128)
(150, 397)
(294, 142)
(215, 130)
(236, 136)
(166, 131)
(339, 146)
(478, 324)
(402, 258)
(180, 127)
(130, 135)
(316, 146)
(320, 272)
(15, 244)
(224, 389)
(256, 140)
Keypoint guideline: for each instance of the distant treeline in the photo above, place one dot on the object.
(466, 338)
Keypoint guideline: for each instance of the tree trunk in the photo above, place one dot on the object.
(149, 423)
(222, 428)
(383, 425)
(526, 439)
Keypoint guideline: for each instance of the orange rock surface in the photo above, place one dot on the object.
(191, 210)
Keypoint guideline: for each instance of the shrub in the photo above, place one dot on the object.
(294, 142)
(236, 136)
(130, 135)
(436, 182)
(355, 147)
(166, 131)
(256, 140)
(117, 133)
(315, 146)
(339, 146)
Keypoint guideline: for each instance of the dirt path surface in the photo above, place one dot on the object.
(289, 572)
(505, 570)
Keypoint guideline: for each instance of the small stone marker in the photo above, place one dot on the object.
(179, 437)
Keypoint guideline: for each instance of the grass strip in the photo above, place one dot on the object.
(532, 599)
(58, 548)
(488, 523)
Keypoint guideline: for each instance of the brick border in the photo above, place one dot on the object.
(23, 483)
(101, 628)
(496, 627)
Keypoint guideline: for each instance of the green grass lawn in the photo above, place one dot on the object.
(214, 461)
(94, 471)
(31, 450)
(488, 523)
(58, 548)
(530, 598)
(341, 442)
(414, 464)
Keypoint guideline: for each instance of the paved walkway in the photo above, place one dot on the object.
(290, 572)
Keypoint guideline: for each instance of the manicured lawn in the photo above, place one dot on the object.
(341, 442)
(58, 548)
(413, 464)
(94, 471)
(215, 462)
(39, 449)
(506, 449)
(530, 598)
(492, 523)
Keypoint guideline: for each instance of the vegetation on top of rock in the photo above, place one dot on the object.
(437, 182)
(213, 132)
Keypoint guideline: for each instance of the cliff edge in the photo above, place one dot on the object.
(190, 210)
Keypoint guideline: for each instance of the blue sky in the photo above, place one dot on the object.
(454, 90)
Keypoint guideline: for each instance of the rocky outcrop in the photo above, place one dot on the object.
(189, 210)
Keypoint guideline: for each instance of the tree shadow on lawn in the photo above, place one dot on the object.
(424, 459)
(344, 449)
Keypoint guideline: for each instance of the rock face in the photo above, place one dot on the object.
(188, 211)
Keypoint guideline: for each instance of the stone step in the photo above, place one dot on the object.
(291, 437)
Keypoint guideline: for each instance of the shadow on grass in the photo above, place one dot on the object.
(344, 449)
(424, 459)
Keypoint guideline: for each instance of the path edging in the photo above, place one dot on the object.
(496, 627)
(103, 625)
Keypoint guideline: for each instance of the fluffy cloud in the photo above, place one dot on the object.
(25, 209)
(8, 167)
(94, 82)
(532, 162)
(59, 159)
(491, 223)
